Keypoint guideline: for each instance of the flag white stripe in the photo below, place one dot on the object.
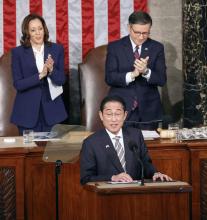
(126, 8)
(49, 14)
(22, 10)
(1, 29)
(75, 32)
(74, 23)
(100, 22)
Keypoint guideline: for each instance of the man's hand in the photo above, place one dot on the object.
(141, 64)
(135, 73)
(122, 177)
(161, 176)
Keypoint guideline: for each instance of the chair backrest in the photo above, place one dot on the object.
(93, 87)
(7, 96)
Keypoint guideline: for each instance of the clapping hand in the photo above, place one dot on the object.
(44, 72)
(141, 64)
(49, 63)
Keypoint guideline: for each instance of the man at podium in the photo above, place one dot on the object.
(116, 153)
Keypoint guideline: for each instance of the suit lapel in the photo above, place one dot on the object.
(29, 55)
(128, 153)
(111, 152)
(128, 50)
(145, 48)
(46, 51)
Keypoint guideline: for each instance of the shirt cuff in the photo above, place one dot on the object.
(147, 74)
(129, 78)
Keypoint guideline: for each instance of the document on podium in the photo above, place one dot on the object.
(150, 135)
(55, 90)
(118, 182)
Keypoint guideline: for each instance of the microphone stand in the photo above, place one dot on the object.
(58, 165)
(142, 165)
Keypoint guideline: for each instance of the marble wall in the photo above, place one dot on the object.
(167, 28)
(194, 62)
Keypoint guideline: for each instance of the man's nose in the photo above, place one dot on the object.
(113, 117)
(141, 36)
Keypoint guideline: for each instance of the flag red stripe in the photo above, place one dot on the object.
(36, 6)
(62, 28)
(87, 26)
(9, 24)
(140, 5)
(113, 20)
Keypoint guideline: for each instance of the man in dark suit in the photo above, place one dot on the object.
(104, 158)
(135, 67)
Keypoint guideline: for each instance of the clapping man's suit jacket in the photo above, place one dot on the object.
(120, 60)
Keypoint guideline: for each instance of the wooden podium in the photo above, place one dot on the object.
(159, 200)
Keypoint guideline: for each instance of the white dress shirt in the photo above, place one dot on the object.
(128, 75)
(112, 136)
(39, 57)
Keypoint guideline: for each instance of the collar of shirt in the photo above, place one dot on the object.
(38, 51)
(120, 134)
(134, 46)
(39, 57)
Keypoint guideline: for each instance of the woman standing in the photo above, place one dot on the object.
(35, 63)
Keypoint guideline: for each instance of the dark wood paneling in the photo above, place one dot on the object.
(174, 163)
(203, 188)
(147, 206)
(7, 193)
(12, 186)
(40, 189)
(198, 169)
(35, 179)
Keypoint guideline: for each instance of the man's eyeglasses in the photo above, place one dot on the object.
(113, 115)
(144, 34)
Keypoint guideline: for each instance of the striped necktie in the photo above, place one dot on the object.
(136, 52)
(120, 152)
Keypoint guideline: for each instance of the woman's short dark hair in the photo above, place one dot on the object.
(113, 98)
(140, 17)
(25, 39)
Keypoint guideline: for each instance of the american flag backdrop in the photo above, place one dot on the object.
(78, 24)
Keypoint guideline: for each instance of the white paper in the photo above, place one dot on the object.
(116, 182)
(45, 136)
(9, 140)
(150, 135)
(55, 90)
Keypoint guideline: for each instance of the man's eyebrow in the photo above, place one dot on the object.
(114, 110)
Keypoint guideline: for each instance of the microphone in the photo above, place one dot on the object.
(134, 148)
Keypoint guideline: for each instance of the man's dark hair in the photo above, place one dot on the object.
(112, 99)
(140, 17)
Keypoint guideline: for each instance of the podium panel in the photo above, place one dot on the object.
(157, 201)
(32, 189)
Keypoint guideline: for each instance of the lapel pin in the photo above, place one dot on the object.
(107, 146)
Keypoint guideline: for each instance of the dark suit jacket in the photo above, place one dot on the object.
(32, 92)
(99, 160)
(120, 60)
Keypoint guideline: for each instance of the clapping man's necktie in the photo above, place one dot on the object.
(136, 52)
(136, 56)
